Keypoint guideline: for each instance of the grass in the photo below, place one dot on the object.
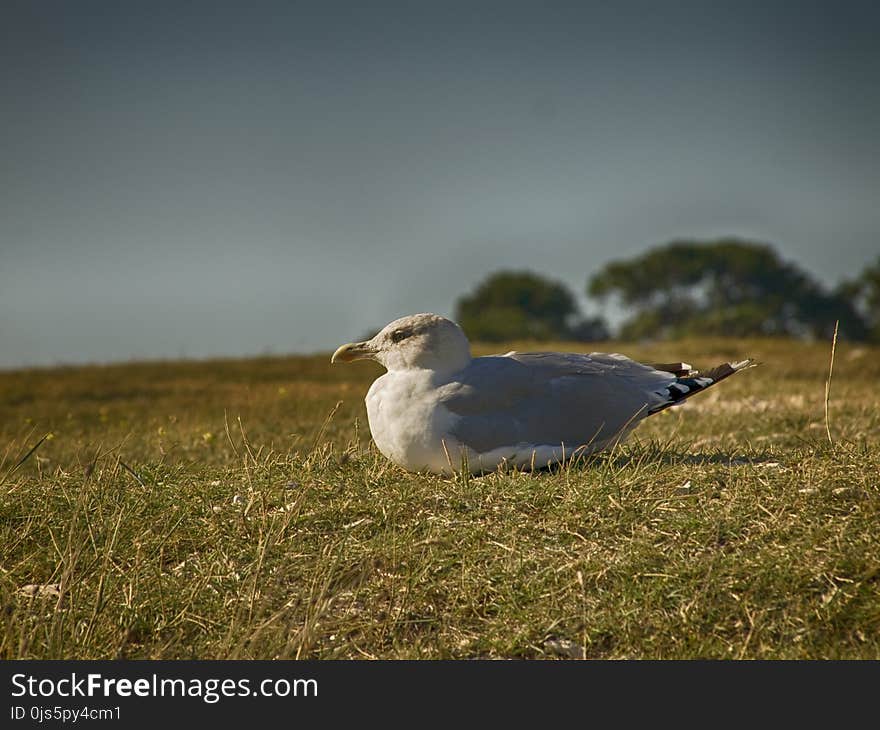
(236, 509)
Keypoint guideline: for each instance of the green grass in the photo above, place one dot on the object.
(236, 509)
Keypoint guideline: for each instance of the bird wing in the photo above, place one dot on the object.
(551, 398)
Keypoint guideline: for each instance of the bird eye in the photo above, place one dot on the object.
(399, 335)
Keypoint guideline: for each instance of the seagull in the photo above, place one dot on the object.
(437, 409)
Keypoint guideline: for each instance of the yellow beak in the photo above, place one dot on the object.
(353, 351)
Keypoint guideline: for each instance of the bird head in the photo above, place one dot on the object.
(415, 342)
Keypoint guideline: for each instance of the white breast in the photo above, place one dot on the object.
(408, 425)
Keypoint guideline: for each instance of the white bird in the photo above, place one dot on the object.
(438, 409)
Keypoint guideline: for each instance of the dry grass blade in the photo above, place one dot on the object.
(132, 472)
(24, 458)
(828, 385)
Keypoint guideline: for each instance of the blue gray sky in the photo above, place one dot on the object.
(196, 179)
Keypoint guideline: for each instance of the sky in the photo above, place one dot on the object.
(188, 179)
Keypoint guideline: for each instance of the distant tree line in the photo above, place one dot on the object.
(727, 287)
(511, 305)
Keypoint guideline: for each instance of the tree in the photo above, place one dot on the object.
(864, 292)
(510, 305)
(727, 287)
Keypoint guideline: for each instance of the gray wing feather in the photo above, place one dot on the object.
(551, 398)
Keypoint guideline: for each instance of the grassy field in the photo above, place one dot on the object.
(236, 509)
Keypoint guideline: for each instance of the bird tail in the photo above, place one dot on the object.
(686, 385)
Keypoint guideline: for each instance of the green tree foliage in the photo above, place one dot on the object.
(864, 292)
(727, 287)
(510, 305)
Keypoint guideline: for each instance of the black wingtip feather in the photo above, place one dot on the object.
(697, 381)
(725, 370)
